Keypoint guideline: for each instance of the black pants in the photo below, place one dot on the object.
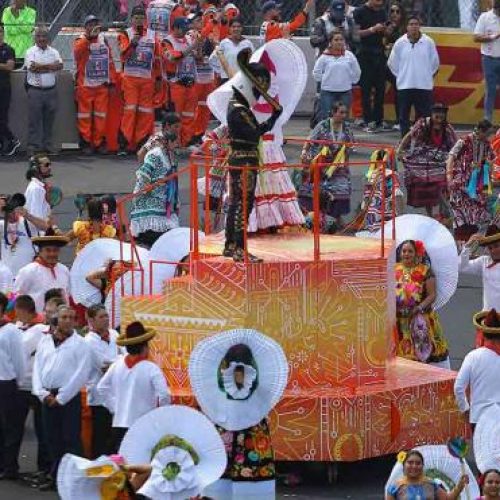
(117, 434)
(421, 100)
(26, 402)
(392, 80)
(10, 427)
(101, 431)
(62, 425)
(235, 225)
(5, 133)
(373, 73)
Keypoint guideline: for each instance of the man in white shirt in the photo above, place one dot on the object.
(479, 370)
(487, 33)
(486, 266)
(6, 279)
(33, 329)
(414, 61)
(41, 62)
(102, 343)
(36, 192)
(61, 370)
(12, 373)
(133, 385)
(45, 272)
(224, 58)
(16, 231)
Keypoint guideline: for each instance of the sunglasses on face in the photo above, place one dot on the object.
(395, 11)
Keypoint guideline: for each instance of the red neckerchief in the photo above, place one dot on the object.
(104, 337)
(335, 53)
(493, 346)
(132, 359)
(51, 267)
(35, 321)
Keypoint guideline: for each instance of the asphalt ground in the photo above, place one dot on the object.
(76, 173)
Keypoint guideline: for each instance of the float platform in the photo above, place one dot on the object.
(347, 398)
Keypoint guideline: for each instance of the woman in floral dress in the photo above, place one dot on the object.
(468, 173)
(418, 333)
(335, 180)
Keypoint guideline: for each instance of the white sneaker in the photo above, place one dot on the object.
(396, 127)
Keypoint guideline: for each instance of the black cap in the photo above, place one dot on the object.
(138, 10)
(90, 19)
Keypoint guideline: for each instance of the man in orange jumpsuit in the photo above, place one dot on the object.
(141, 75)
(272, 28)
(205, 76)
(95, 75)
(179, 69)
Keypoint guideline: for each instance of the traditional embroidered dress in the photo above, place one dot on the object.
(469, 187)
(276, 202)
(373, 194)
(158, 209)
(83, 232)
(427, 489)
(410, 292)
(425, 163)
(335, 182)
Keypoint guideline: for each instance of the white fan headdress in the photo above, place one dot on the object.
(92, 257)
(439, 245)
(288, 68)
(184, 449)
(264, 372)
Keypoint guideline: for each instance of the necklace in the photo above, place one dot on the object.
(407, 273)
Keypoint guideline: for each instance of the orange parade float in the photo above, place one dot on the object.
(330, 302)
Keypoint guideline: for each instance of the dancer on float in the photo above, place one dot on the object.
(251, 82)
(276, 205)
(418, 333)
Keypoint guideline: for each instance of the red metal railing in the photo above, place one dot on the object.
(206, 161)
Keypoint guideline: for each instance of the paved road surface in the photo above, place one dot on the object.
(359, 481)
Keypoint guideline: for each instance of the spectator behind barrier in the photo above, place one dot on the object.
(19, 21)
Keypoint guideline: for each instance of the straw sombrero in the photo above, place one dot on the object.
(93, 257)
(82, 479)
(256, 359)
(50, 239)
(486, 440)
(492, 236)
(184, 448)
(441, 467)
(135, 333)
(486, 321)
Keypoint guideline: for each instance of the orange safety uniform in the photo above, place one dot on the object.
(95, 71)
(141, 69)
(205, 85)
(179, 70)
(272, 30)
